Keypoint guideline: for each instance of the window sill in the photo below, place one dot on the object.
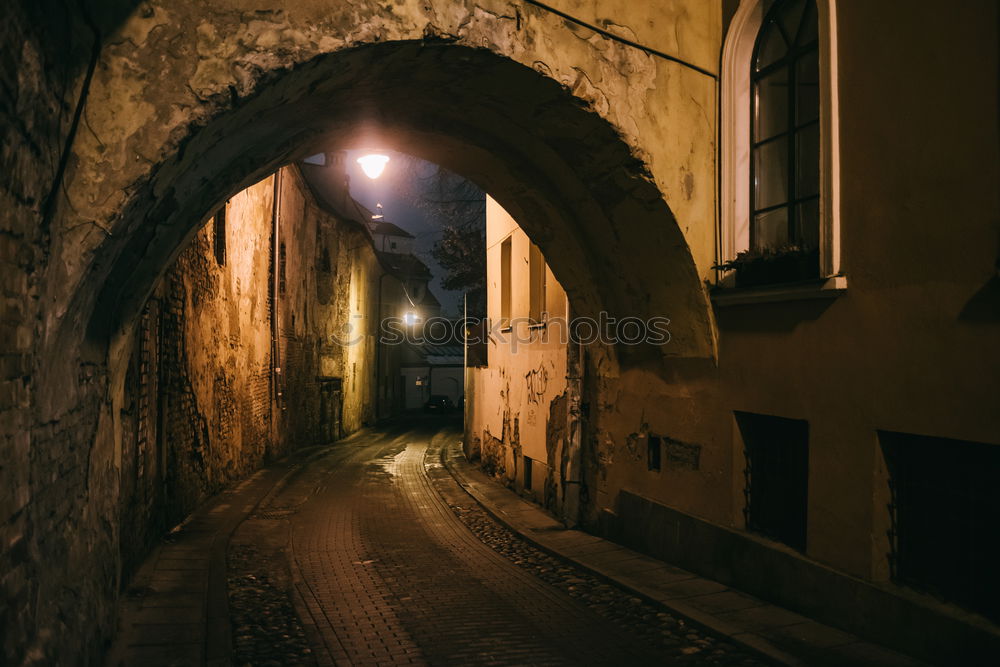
(827, 288)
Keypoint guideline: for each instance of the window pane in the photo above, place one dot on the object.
(807, 223)
(807, 87)
(772, 105)
(771, 173)
(771, 229)
(790, 16)
(810, 28)
(771, 47)
(807, 161)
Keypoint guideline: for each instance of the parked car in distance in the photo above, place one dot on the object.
(439, 403)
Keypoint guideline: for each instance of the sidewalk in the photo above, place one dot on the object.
(175, 611)
(783, 636)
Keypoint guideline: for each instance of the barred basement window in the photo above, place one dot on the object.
(777, 473)
(945, 518)
(219, 236)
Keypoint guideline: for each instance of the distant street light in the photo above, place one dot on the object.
(373, 164)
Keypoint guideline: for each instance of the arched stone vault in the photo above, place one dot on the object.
(187, 107)
(558, 167)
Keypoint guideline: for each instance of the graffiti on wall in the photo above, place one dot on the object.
(536, 381)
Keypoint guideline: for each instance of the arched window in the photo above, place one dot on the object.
(784, 164)
(779, 157)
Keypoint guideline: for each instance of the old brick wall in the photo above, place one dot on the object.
(200, 405)
(43, 467)
(215, 355)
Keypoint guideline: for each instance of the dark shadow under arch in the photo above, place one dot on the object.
(561, 170)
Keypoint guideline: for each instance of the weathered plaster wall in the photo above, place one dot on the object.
(910, 346)
(219, 61)
(197, 408)
(216, 359)
(518, 402)
(327, 313)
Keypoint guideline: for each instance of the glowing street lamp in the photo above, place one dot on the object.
(373, 164)
(410, 318)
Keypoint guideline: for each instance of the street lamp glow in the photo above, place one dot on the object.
(373, 164)
(410, 318)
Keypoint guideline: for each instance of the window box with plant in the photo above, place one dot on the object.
(769, 266)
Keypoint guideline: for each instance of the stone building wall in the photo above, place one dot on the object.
(327, 315)
(42, 76)
(225, 405)
(216, 353)
(199, 403)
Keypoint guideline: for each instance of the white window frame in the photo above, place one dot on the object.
(735, 158)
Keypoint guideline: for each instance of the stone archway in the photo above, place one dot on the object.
(563, 170)
(188, 107)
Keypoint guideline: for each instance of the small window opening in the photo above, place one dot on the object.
(505, 288)
(536, 277)
(944, 512)
(219, 235)
(777, 471)
(654, 449)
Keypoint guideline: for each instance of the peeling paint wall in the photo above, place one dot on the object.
(203, 405)
(518, 404)
(216, 355)
(328, 315)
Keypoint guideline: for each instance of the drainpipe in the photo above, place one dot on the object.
(276, 384)
(573, 476)
(378, 351)
(465, 374)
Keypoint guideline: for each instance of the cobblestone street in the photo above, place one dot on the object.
(371, 553)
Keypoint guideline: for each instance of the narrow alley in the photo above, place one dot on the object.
(499, 332)
(390, 562)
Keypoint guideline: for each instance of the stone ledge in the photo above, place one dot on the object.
(828, 288)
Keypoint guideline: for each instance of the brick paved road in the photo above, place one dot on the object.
(385, 573)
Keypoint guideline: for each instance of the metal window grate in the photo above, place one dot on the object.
(945, 518)
(777, 473)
